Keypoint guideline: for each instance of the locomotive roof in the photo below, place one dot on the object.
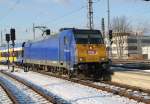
(85, 31)
(73, 30)
(81, 31)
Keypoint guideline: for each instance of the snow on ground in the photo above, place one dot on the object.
(73, 92)
(129, 69)
(4, 67)
(146, 71)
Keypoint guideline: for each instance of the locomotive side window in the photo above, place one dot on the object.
(65, 41)
(4, 54)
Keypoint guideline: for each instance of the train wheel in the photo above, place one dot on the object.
(106, 75)
(76, 72)
(25, 69)
(70, 74)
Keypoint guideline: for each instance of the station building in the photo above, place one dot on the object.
(130, 46)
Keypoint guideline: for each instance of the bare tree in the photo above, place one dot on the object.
(120, 26)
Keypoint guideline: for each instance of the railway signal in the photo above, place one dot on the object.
(13, 38)
(8, 39)
(110, 40)
(110, 35)
(12, 32)
(103, 27)
(48, 32)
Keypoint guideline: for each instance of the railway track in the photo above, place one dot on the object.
(130, 92)
(21, 93)
(36, 95)
(5, 97)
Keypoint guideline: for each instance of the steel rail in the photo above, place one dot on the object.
(9, 93)
(50, 97)
(130, 61)
(123, 93)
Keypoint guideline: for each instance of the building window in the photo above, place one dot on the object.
(145, 41)
(132, 47)
(132, 40)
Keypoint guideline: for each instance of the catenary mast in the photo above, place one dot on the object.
(90, 15)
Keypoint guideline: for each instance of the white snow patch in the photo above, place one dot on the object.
(3, 67)
(146, 70)
(73, 92)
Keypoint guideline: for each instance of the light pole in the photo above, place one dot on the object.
(1, 38)
(33, 31)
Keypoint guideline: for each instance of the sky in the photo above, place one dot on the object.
(56, 14)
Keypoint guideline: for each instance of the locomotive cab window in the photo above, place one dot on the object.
(95, 39)
(88, 37)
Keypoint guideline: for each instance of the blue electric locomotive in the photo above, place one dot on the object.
(70, 51)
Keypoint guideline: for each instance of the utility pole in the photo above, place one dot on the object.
(33, 31)
(90, 15)
(108, 11)
(108, 29)
(1, 38)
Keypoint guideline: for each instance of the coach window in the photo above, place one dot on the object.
(16, 53)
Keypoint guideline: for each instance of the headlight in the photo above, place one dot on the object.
(81, 59)
(102, 59)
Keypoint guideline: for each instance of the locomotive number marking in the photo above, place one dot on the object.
(91, 52)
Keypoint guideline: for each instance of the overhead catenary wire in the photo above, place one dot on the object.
(10, 10)
(67, 14)
(71, 13)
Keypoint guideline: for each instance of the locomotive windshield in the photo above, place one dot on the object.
(88, 37)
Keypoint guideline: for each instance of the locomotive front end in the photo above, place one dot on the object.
(91, 54)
